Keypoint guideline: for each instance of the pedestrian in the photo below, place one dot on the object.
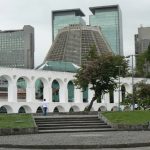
(44, 105)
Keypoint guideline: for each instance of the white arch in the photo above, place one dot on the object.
(60, 108)
(12, 74)
(127, 87)
(92, 109)
(40, 107)
(62, 89)
(11, 93)
(45, 87)
(115, 108)
(28, 83)
(8, 108)
(27, 108)
(102, 108)
(75, 108)
(73, 91)
(44, 80)
(7, 77)
(27, 79)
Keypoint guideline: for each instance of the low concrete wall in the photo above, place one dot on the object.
(12, 131)
(125, 126)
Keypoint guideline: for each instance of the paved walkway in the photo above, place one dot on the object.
(137, 148)
(78, 140)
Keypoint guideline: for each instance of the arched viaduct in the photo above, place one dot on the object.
(30, 104)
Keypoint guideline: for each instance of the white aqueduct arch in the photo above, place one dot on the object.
(47, 77)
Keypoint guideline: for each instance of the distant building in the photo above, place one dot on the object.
(142, 39)
(109, 19)
(17, 48)
(58, 66)
(62, 18)
(73, 43)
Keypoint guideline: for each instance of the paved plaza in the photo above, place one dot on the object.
(86, 140)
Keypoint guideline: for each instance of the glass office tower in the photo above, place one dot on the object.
(17, 48)
(109, 19)
(62, 18)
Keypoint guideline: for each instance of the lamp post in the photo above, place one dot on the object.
(119, 67)
(132, 79)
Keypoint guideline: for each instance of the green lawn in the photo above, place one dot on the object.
(133, 117)
(16, 121)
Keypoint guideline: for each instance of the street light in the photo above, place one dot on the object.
(119, 67)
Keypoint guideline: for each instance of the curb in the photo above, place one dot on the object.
(128, 145)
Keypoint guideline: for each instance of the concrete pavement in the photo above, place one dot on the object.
(93, 140)
(137, 148)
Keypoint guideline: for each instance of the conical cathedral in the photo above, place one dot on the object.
(73, 43)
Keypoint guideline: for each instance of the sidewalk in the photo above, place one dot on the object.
(114, 139)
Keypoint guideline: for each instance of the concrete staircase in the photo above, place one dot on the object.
(71, 123)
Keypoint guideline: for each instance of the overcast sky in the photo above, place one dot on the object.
(14, 14)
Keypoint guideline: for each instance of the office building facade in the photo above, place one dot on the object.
(142, 39)
(17, 48)
(109, 19)
(62, 18)
(73, 43)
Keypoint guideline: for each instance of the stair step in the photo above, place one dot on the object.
(67, 116)
(66, 119)
(67, 124)
(62, 122)
(73, 127)
(77, 130)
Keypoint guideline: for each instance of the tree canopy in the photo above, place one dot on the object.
(141, 95)
(101, 73)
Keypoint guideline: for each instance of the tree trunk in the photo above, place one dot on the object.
(91, 104)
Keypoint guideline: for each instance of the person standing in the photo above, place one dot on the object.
(44, 105)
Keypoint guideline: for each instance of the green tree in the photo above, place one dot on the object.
(142, 91)
(127, 100)
(100, 72)
(141, 95)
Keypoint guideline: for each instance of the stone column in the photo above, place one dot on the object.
(90, 95)
(116, 96)
(106, 98)
(30, 91)
(50, 92)
(78, 96)
(47, 92)
(63, 93)
(12, 91)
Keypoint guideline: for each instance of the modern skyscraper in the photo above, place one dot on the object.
(62, 18)
(109, 19)
(17, 48)
(73, 43)
(142, 39)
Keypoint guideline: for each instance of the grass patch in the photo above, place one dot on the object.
(16, 121)
(133, 117)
